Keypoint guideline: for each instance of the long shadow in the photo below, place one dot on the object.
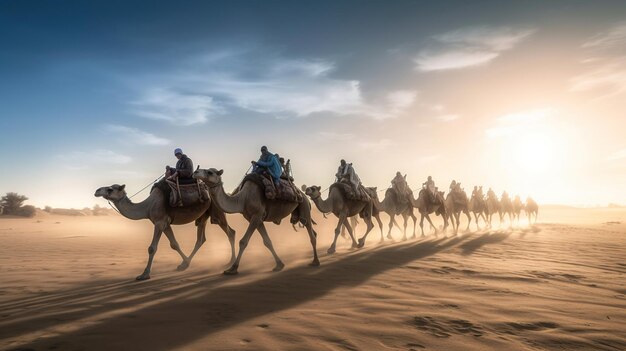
(489, 238)
(166, 325)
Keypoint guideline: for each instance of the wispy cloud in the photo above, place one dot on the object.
(512, 123)
(377, 145)
(617, 155)
(606, 74)
(136, 136)
(84, 159)
(614, 36)
(469, 47)
(284, 88)
(336, 136)
(176, 107)
(448, 117)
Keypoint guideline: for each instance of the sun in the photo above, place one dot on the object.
(534, 153)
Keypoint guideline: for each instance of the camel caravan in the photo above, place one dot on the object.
(267, 193)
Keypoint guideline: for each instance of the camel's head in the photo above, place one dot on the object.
(313, 191)
(210, 176)
(114, 192)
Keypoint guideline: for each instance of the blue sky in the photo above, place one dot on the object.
(93, 93)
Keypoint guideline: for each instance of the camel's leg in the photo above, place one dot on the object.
(313, 238)
(469, 220)
(445, 222)
(380, 226)
(243, 243)
(391, 221)
(422, 223)
(268, 243)
(230, 233)
(431, 223)
(169, 233)
(158, 230)
(200, 239)
(342, 221)
(414, 223)
(350, 229)
(406, 220)
(343, 232)
(370, 225)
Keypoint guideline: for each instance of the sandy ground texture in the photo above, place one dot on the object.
(67, 283)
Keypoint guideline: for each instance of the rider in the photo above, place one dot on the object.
(269, 163)
(346, 170)
(184, 167)
(430, 185)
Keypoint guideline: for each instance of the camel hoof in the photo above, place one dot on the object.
(279, 267)
(315, 263)
(331, 250)
(181, 267)
(232, 270)
(390, 237)
(143, 277)
(361, 243)
(404, 238)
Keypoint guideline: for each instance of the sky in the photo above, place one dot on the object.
(523, 96)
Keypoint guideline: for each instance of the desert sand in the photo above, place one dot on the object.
(67, 283)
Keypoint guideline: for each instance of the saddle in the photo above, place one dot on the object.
(431, 199)
(187, 192)
(402, 199)
(285, 191)
(347, 189)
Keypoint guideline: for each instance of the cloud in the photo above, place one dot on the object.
(608, 78)
(84, 159)
(617, 155)
(512, 123)
(336, 136)
(136, 136)
(613, 37)
(606, 60)
(377, 145)
(175, 107)
(282, 87)
(469, 47)
(448, 118)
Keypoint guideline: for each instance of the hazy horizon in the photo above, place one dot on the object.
(525, 97)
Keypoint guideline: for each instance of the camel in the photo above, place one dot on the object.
(506, 207)
(477, 206)
(425, 207)
(157, 209)
(531, 209)
(492, 207)
(251, 202)
(394, 207)
(342, 208)
(518, 206)
(455, 204)
(354, 221)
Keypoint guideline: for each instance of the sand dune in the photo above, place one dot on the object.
(67, 284)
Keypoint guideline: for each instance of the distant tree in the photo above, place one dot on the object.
(26, 211)
(12, 202)
(97, 210)
(47, 209)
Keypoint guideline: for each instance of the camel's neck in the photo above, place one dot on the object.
(131, 210)
(324, 206)
(386, 205)
(227, 203)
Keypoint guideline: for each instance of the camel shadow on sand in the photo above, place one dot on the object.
(156, 314)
